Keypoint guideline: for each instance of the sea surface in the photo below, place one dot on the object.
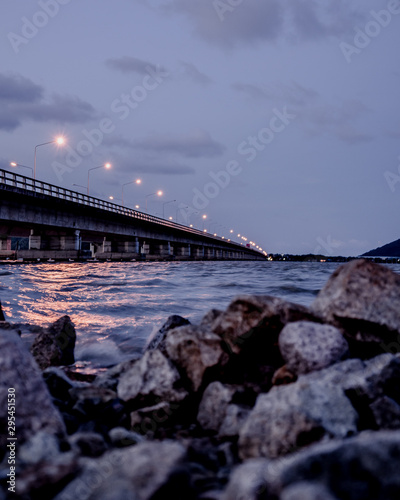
(117, 306)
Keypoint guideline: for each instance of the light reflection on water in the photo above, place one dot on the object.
(116, 306)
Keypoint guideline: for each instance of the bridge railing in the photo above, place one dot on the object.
(43, 188)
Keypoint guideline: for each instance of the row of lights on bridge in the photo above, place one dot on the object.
(61, 140)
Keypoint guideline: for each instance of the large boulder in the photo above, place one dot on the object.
(293, 416)
(157, 340)
(55, 345)
(137, 472)
(364, 467)
(214, 404)
(307, 346)
(34, 410)
(249, 317)
(193, 350)
(363, 298)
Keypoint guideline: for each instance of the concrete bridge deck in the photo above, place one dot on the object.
(59, 223)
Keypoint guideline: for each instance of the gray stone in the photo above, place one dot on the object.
(109, 379)
(247, 481)
(148, 420)
(235, 417)
(363, 298)
(307, 346)
(249, 316)
(290, 417)
(210, 316)
(157, 341)
(386, 413)
(193, 350)
(121, 437)
(40, 447)
(147, 468)
(55, 345)
(151, 376)
(34, 410)
(89, 444)
(364, 467)
(213, 405)
(306, 491)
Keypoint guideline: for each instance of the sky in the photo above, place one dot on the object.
(278, 119)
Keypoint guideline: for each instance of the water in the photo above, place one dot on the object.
(116, 306)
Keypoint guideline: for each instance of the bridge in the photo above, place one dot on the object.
(62, 224)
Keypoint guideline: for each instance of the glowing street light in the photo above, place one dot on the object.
(106, 165)
(204, 217)
(158, 193)
(137, 181)
(14, 164)
(163, 206)
(60, 141)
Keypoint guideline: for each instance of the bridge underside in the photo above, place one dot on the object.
(44, 227)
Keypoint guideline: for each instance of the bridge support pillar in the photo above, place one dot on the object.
(106, 246)
(137, 245)
(35, 241)
(5, 243)
(69, 242)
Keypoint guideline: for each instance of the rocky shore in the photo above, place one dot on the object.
(264, 400)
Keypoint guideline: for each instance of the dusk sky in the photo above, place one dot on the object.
(279, 119)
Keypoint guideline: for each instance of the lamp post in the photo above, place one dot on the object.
(158, 193)
(15, 164)
(78, 185)
(204, 217)
(59, 141)
(137, 181)
(163, 205)
(106, 165)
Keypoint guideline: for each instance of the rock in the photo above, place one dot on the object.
(148, 470)
(157, 341)
(247, 481)
(121, 437)
(363, 299)
(2, 317)
(47, 478)
(213, 406)
(55, 345)
(150, 420)
(249, 317)
(151, 377)
(283, 376)
(193, 350)
(293, 416)
(386, 413)
(209, 318)
(34, 410)
(235, 417)
(109, 379)
(40, 447)
(361, 468)
(304, 490)
(307, 346)
(89, 444)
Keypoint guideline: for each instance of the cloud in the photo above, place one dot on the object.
(191, 72)
(128, 64)
(340, 119)
(249, 21)
(197, 145)
(21, 100)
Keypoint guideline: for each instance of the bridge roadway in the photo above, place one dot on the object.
(60, 222)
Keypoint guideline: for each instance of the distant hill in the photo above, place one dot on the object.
(389, 250)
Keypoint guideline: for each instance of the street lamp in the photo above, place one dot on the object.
(60, 141)
(106, 165)
(137, 181)
(163, 205)
(204, 217)
(14, 164)
(158, 193)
